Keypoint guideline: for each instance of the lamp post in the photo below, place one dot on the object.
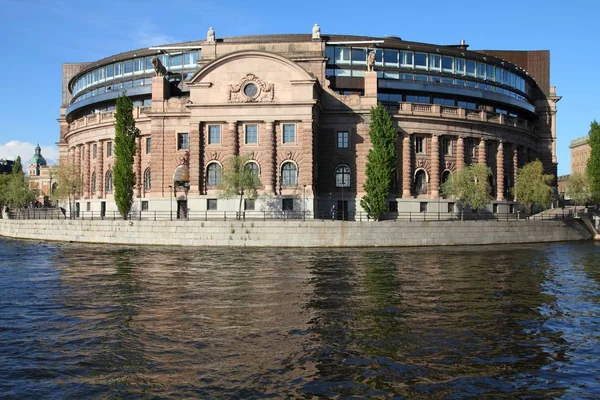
(439, 194)
(170, 203)
(304, 202)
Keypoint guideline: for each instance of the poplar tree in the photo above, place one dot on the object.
(381, 162)
(593, 164)
(125, 136)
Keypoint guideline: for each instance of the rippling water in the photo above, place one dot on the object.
(150, 322)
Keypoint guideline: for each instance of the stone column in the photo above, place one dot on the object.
(435, 167)
(233, 142)
(515, 165)
(306, 162)
(196, 146)
(500, 172)
(86, 171)
(138, 167)
(460, 153)
(406, 173)
(270, 167)
(482, 156)
(100, 170)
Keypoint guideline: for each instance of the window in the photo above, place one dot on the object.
(252, 166)
(421, 60)
(214, 134)
(289, 133)
(148, 145)
(359, 56)
(289, 174)
(183, 141)
(93, 183)
(287, 204)
(108, 186)
(423, 206)
(435, 62)
(342, 176)
(213, 174)
(94, 150)
(342, 55)
(419, 145)
(447, 64)
(342, 140)
(147, 179)
(445, 176)
(470, 68)
(108, 149)
(211, 204)
(459, 66)
(420, 182)
(390, 57)
(406, 58)
(252, 134)
(145, 206)
(446, 146)
(249, 205)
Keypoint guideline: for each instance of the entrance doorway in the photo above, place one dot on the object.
(182, 209)
(102, 209)
(342, 210)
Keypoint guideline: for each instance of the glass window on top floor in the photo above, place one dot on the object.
(481, 70)
(447, 81)
(421, 60)
(417, 99)
(459, 66)
(490, 72)
(110, 71)
(148, 67)
(466, 104)
(513, 80)
(471, 67)
(435, 62)
(190, 58)
(330, 53)
(359, 56)
(443, 101)
(447, 64)
(499, 75)
(342, 55)
(390, 58)
(407, 59)
(127, 67)
(176, 61)
(118, 70)
(139, 66)
(421, 78)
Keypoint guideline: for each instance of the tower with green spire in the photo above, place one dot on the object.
(36, 162)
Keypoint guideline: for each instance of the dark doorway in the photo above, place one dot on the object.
(342, 210)
(102, 209)
(182, 209)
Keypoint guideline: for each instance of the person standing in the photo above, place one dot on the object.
(333, 212)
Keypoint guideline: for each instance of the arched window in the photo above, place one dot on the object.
(445, 176)
(108, 184)
(289, 174)
(213, 174)
(420, 182)
(93, 183)
(342, 176)
(147, 180)
(492, 184)
(253, 166)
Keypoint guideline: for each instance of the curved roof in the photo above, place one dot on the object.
(37, 158)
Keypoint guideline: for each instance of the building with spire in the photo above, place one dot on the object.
(40, 179)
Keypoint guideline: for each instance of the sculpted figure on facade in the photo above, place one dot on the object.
(371, 61)
(210, 35)
(159, 68)
(316, 32)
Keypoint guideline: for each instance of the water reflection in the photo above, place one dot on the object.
(110, 321)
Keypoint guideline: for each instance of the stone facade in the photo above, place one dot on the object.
(580, 154)
(273, 97)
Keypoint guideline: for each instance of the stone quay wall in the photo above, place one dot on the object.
(292, 233)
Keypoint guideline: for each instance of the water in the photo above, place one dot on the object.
(86, 321)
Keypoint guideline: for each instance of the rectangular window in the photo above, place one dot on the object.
(94, 150)
(183, 141)
(189, 59)
(108, 149)
(252, 134)
(330, 53)
(342, 140)
(448, 64)
(459, 66)
(446, 146)
(342, 55)
(359, 56)
(139, 65)
(481, 70)
(406, 59)
(421, 60)
(214, 134)
(211, 204)
(470, 68)
(435, 62)
(289, 133)
(148, 145)
(419, 145)
(287, 204)
(249, 205)
(499, 75)
(128, 67)
(390, 58)
(109, 71)
(489, 73)
(145, 205)
(176, 61)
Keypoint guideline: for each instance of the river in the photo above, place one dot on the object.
(106, 321)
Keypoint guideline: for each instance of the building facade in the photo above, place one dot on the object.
(299, 106)
(580, 154)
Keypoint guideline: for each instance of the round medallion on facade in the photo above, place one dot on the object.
(250, 90)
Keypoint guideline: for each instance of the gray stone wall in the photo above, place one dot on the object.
(296, 233)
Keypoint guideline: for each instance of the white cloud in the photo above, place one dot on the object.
(26, 150)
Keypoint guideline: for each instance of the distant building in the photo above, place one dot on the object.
(6, 166)
(580, 153)
(40, 179)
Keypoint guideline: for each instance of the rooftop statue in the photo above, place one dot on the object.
(210, 35)
(371, 61)
(316, 32)
(159, 68)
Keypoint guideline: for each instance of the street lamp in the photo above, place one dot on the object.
(304, 202)
(439, 194)
(170, 203)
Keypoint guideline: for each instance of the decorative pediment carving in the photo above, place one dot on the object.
(250, 89)
(450, 166)
(423, 163)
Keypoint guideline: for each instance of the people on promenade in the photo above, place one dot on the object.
(333, 212)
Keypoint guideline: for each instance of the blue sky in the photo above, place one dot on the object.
(38, 36)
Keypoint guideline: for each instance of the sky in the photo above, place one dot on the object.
(38, 36)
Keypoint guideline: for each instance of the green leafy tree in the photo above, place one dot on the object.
(533, 187)
(17, 167)
(578, 188)
(125, 136)
(593, 164)
(68, 183)
(238, 179)
(14, 188)
(469, 186)
(381, 162)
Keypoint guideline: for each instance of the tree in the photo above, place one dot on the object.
(17, 167)
(593, 164)
(533, 187)
(381, 162)
(14, 188)
(125, 136)
(578, 188)
(68, 183)
(470, 186)
(239, 179)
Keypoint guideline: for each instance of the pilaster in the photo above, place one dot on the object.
(500, 172)
(406, 170)
(481, 156)
(138, 167)
(460, 153)
(270, 170)
(435, 167)
(515, 165)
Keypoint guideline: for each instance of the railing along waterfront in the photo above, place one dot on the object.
(212, 215)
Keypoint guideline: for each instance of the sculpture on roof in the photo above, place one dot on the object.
(371, 61)
(159, 68)
(316, 32)
(210, 35)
